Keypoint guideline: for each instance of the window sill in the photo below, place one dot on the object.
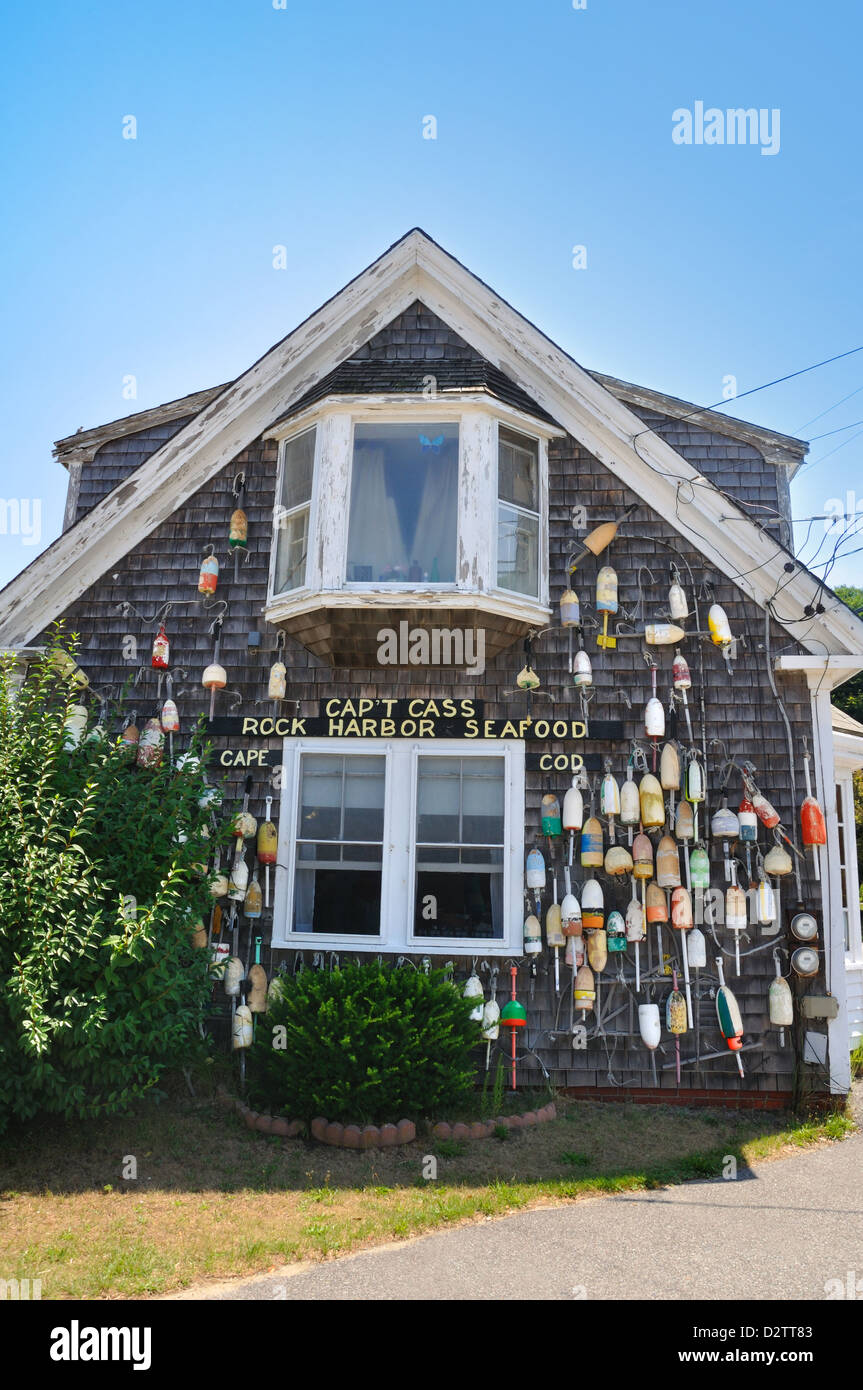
(327, 621)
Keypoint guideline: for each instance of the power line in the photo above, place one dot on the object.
(753, 389)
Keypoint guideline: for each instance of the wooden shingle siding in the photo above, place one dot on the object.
(741, 712)
(118, 458)
(742, 715)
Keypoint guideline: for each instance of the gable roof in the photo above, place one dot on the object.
(414, 268)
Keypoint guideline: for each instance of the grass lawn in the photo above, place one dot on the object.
(213, 1200)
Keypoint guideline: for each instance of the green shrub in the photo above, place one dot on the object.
(367, 1043)
(98, 997)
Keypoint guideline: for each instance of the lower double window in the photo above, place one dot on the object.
(398, 845)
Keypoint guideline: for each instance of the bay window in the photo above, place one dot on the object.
(393, 844)
(392, 508)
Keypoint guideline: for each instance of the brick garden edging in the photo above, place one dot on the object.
(383, 1136)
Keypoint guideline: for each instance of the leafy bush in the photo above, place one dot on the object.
(99, 996)
(367, 1043)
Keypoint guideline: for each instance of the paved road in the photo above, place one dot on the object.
(779, 1232)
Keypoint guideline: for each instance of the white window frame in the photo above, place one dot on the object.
(541, 595)
(399, 848)
(279, 517)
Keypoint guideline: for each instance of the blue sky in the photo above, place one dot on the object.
(302, 127)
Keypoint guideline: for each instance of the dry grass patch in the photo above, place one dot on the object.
(213, 1200)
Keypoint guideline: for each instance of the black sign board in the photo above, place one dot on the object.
(399, 723)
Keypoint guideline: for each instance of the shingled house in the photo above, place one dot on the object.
(419, 466)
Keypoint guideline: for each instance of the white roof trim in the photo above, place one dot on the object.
(414, 268)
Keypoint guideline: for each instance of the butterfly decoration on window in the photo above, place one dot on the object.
(435, 445)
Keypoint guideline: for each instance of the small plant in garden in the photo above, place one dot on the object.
(102, 988)
(366, 1043)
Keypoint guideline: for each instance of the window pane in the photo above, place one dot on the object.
(292, 542)
(517, 551)
(299, 459)
(438, 800)
(341, 797)
(338, 901)
(483, 801)
(460, 803)
(518, 470)
(404, 504)
(337, 887)
(466, 905)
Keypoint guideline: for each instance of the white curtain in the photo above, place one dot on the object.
(437, 523)
(375, 534)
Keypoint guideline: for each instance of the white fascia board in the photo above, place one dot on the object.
(208, 443)
(821, 672)
(607, 427)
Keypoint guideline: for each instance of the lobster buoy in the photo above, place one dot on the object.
(490, 1020)
(535, 870)
(684, 822)
(681, 909)
(720, 630)
(592, 906)
(74, 725)
(550, 814)
(656, 906)
(239, 880)
(257, 982)
(151, 745)
(654, 719)
(597, 950)
(618, 861)
(634, 921)
(238, 532)
(591, 844)
(696, 949)
(630, 801)
(699, 867)
(728, 1015)
(253, 902)
(161, 657)
(244, 825)
(277, 684)
(570, 916)
(667, 863)
(169, 717)
(473, 990)
(663, 634)
(649, 1025)
(585, 989)
(570, 609)
(573, 808)
(669, 768)
(208, 576)
(615, 933)
(652, 804)
(242, 1028)
(642, 857)
(582, 671)
(678, 606)
(779, 1000)
(532, 936)
(233, 977)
